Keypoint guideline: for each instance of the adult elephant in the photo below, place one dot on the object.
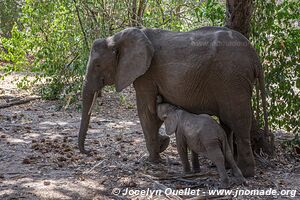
(210, 70)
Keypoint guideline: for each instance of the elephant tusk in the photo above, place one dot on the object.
(93, 103)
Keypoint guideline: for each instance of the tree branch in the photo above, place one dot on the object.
(80, 22)
(22, 101)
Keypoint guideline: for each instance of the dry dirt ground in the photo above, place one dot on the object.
(39, 158)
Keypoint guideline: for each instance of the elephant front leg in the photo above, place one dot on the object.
(155, 142)
(183, 152)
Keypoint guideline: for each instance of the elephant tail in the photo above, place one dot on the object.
(261, 86)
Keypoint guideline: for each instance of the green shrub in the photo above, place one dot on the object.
(276, 36)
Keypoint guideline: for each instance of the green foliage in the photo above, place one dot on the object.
(276, 36)
(211, 12)
(15, 53)
(184, 15)
(49, 44)
(9, 16)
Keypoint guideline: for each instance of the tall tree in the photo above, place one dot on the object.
(137, 12)
(239, 15)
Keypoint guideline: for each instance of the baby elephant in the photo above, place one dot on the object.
(199, 133)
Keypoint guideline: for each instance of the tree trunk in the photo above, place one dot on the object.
(238, 15)
(133, 14)
(137, 12)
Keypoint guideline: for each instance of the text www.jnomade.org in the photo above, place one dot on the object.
(197, 192)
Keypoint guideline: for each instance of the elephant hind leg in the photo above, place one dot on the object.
(215, 154)
(245, 158)
(229, 135)
(237, 115)
(239, 179)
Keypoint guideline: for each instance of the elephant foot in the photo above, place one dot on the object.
(154, 158)
(240, 181)
(224, 184)
(164, 141)
(197, 170)
(227, 165)
(247, 168)
(187, 172)
(83, 151)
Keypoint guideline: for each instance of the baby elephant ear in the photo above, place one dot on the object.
(171, 123)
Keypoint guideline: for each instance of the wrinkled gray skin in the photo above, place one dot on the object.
(201, 134)
(209, 70)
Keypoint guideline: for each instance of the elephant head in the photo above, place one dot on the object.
(118, 60)
(168, 114)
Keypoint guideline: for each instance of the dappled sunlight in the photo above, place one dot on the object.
(120, 124)
(127, 123)
(57, 123)
(59, 188)
(43, 160)
(139, 140)
(40, 158)
(15, 140)
(6, 192)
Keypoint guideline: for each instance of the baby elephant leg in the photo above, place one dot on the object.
(239, 178)
(229, 135)
(182, 150)
(214, 153)
(195, 162)
(184, 160)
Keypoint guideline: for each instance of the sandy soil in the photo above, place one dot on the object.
(39, 158)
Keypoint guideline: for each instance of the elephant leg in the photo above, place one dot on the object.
(155, 143)
(215, 154)
(239, 179)
(183, 152)
(237, 115)
(241, 127)
(229, 135)
(195, 162)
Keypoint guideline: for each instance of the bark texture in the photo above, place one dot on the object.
(238, 15)
(137, 12)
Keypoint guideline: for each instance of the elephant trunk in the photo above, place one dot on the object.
(88, 100)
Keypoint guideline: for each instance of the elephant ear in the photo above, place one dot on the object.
(171, 123)
(135, 53)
